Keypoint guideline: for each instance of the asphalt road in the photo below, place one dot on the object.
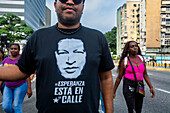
(160, 104)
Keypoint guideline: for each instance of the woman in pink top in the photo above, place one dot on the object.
(134, 102)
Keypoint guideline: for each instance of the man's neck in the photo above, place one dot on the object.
(68, 27)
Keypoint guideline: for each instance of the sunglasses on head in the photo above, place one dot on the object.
(75, 1)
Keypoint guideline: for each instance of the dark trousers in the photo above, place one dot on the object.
(134, 102)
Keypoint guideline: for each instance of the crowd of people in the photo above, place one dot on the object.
(73, 66)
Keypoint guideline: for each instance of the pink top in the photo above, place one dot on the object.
(138, 70)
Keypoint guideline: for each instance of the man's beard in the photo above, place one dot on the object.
(68, 21)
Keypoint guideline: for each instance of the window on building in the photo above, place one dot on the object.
(162, 35)
(134, 5)
(167, 21)
(167, 36)
(168, 29)
(163, 19)
(132, 10)
(167, 41)
(168, 9)
(167, 15)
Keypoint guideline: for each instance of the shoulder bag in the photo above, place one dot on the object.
(139, 84)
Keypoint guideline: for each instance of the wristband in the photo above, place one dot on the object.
(151, 86)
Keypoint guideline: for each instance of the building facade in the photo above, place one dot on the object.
(12, 6)
(148, 23)
(33, 12)
(119, 30)
(155, 29)
(128, 22)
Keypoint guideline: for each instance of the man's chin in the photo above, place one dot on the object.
(70, 76)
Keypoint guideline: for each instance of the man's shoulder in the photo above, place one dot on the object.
(43, 32)
(46, 29)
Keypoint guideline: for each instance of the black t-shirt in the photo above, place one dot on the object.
(67, 69)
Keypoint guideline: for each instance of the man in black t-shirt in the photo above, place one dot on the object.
(69, 60)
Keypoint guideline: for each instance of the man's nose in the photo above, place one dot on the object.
(70, 2)
(70, 61)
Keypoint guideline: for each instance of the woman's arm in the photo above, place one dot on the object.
(118, 79)
(146, 77)
(29, 91)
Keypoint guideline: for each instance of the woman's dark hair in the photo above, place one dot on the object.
(125, 52)
(2, 53)
(16, 45)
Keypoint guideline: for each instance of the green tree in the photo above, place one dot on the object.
(14, 27)
(111, 38)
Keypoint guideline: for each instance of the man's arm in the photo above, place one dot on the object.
(11, 73)
(106, 85)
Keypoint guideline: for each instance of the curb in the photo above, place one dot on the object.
(156, 68)
(153, 68)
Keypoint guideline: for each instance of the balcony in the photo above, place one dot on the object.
(167, 24)
(163, 30)
(163, 23)
(167, 31)
(165, 2)
(125, 34)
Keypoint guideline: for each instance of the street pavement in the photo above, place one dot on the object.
(160, 104)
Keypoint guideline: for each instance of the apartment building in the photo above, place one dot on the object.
(33, 12)
(119, 30)
(128, 22)
(155, 28)
(165, 25)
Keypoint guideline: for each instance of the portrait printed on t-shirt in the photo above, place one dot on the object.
(71, 57)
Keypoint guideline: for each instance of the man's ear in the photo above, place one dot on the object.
(82, 9)
(55, 5)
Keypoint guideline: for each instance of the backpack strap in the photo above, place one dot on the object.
(140, 57)
(125, 61)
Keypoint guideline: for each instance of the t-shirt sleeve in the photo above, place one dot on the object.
(106, 62)
(26, 61)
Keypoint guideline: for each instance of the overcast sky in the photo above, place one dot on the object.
(98, 14)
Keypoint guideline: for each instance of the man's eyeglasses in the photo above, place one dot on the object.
(75, 1)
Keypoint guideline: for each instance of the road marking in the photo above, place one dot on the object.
(162, 90)
(150, 74)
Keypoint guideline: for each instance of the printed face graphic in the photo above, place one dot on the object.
(71, 57)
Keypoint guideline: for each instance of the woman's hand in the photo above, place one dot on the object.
(29, 92)
(152, 92)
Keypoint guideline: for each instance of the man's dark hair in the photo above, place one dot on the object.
(16, 45)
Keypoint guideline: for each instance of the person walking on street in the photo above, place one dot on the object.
(69, 59)
(14, 92)
(2, 84)
(132, 55)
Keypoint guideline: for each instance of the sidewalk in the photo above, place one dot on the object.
(160, 68)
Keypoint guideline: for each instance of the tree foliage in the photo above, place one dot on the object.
(111, 38)
(14, 27)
